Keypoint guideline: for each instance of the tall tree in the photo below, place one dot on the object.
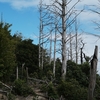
(40, 31)
(65, 14)
(64, 60)
(7, 52)
(76, 47)
(55, 40)
(65, 18)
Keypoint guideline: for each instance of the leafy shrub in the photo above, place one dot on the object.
(50, 89)
(21, 88)
(11, 96)
(72, 90)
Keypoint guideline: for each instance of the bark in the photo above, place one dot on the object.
(54, 63)
(64, 60)
(17, 72)
(23, 69)
(93, 70)
(27, 72)
(40, 32)
(50, 47)
(71, 58)
(41, 52)
(81, 53)
(76, 42)
(37, 80)
(81, 56)
(6, 85)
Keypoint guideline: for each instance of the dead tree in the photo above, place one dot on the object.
(17, 72)
(55, 38)
(81, 52)
(71, 57)
(76, 47)
(65, 18)
(42, 36)
(93, 71)
(40, 31)
(50, 46)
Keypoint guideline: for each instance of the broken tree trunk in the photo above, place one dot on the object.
(93, 70)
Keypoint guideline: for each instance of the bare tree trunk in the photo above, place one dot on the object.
(27, 73)
(42, 49)
(50, 47)
(23, 69)
(39, 48)
(64, 60)
(54, 64)
(68, 56)
(17, 72)
(81, 52)
(41, 52)
(76, 42)
(40, 31)
(93, 70)
(71, 58)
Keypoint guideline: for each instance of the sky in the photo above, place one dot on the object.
(24, 17)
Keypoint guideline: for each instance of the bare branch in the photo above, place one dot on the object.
(73, 20)
(72, 7)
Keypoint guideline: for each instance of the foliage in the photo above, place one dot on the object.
(78, 72)
(50, 89)
(11, 96)
(15, 51)
(28, 54)
(58, 69)
(21, 88)
(97, 88)
(71, 90)
(7, 52)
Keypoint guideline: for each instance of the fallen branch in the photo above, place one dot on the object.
(38, 80)
(6, 85)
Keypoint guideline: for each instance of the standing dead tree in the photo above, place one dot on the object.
(65, 18)
(81, 52)
(43, 36)
(93, 71)
(40, 31)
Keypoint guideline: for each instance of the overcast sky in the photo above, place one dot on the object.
(24, 17)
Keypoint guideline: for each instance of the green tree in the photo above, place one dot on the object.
(7, 52)
(27, 53)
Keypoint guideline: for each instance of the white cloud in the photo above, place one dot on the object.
(20, 4)
(31, 3)
(86, 15)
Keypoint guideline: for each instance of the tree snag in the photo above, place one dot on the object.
(93, 70)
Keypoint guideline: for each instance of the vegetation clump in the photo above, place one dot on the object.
(21, 88)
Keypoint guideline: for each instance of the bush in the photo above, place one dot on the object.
(21, 88)
(50, 89)
(11, 96)
(72, 91)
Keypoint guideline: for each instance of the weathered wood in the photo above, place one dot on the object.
(4, 92)
(93, 71)
(6, 85)
(37, 80)
(17, 72)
